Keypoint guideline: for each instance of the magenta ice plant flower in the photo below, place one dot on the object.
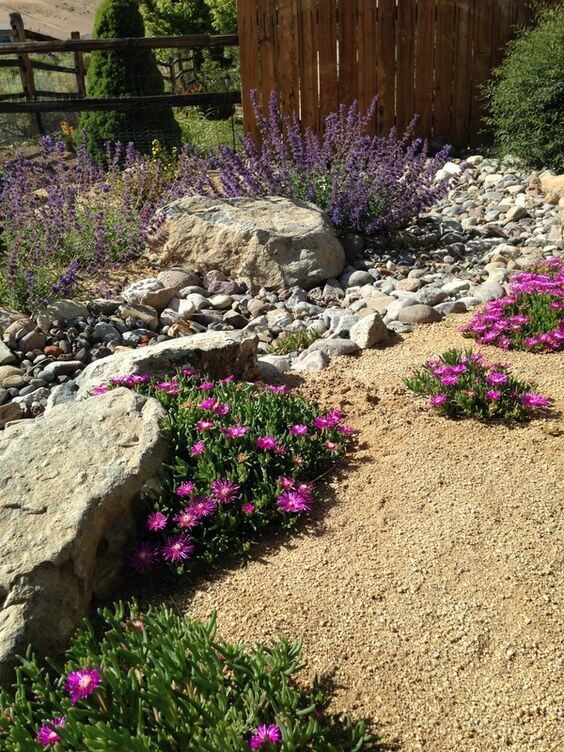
(208, 404)
(203, 506)
(187, 518)
(438, 399)
(156, 521)
(177, 548)
(530, 399)
(186, 489)
(235, 432)
(222, 409)
(97, 391)
(47, 734)
(248, 508)
(294, 501)
(224, 491)
(205, 425)
(144, 557)
(197, 449)
(82, 683)
(495, 378)
(267, 443)
(493, 395)
(300, 429)
(265, 734)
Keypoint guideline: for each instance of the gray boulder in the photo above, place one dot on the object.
(216, 353)
(272, 242)
(68, 511)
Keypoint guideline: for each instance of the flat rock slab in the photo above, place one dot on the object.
(217, 354)
(69, 486)
(272, 242)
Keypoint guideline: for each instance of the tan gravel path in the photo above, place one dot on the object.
(432, 587)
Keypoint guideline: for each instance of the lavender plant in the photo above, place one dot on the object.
(245, 458)
(366, 183)
(530, 316)
(461, 385)
(155, 682)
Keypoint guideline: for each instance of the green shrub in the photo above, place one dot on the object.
(526, 95)
(245, 457)
(118, 73)
(460, 385)
(159, 683)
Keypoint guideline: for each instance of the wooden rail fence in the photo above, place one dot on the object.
(429, 57)
(178, 70)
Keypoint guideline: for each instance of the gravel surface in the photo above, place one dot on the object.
(429, 588)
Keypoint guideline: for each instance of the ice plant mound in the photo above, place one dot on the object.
(171, 684)
(530, 317)
(248, 464)
(461, 385)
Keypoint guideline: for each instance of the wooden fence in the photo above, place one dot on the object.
(429, 57)
(178, 70)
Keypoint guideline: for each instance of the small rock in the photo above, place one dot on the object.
(32, 341)
(311, 361)
(489, 291)
(144, 313)
(158, 299)
(6, 355)
(10, 411)
(336, 346)
(419, 314)
(139, 289)
(177, 277)
(221, 302)
(516, 213)
(369, 331)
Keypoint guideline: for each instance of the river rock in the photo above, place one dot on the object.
(369, 331)
(68, 509)
(272, 242)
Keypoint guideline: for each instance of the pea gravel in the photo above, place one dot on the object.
(429, 588)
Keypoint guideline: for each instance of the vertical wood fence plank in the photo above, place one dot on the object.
(483, 28)
(289, 70)
(80, 68)
(250, 60)
(386, 64)
(348, 50)
(463, 60)
(502, 30)
(444, 64)
(424, 66)
(267, 50)
(308, 63)
(367, 56)
(328, 88)
(405, 98)
(26, 71)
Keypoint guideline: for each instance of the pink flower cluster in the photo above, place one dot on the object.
(295, 497)
(529, 317)
(266, 734)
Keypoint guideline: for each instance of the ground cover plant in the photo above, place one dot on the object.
(294, 341)
(460, 384)
(154, 682)
(530, 317)
(526, 95)
(246, 457)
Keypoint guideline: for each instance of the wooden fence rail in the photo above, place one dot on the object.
(179, 71)
(429, 57)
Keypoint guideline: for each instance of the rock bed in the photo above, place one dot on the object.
(461, 253)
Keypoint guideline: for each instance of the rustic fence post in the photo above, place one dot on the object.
(172, 73)
(26, 71)
(80, 68)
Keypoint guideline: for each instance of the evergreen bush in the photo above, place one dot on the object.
(123, 73)
(526, 95)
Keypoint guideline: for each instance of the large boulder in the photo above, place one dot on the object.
(217, 354)
(69, 503)
(272, 242)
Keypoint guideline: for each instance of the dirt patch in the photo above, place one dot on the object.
(431, 593)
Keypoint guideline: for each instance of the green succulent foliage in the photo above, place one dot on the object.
(294, 341)
(170, 684)
(117, 73)
(526, 95)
